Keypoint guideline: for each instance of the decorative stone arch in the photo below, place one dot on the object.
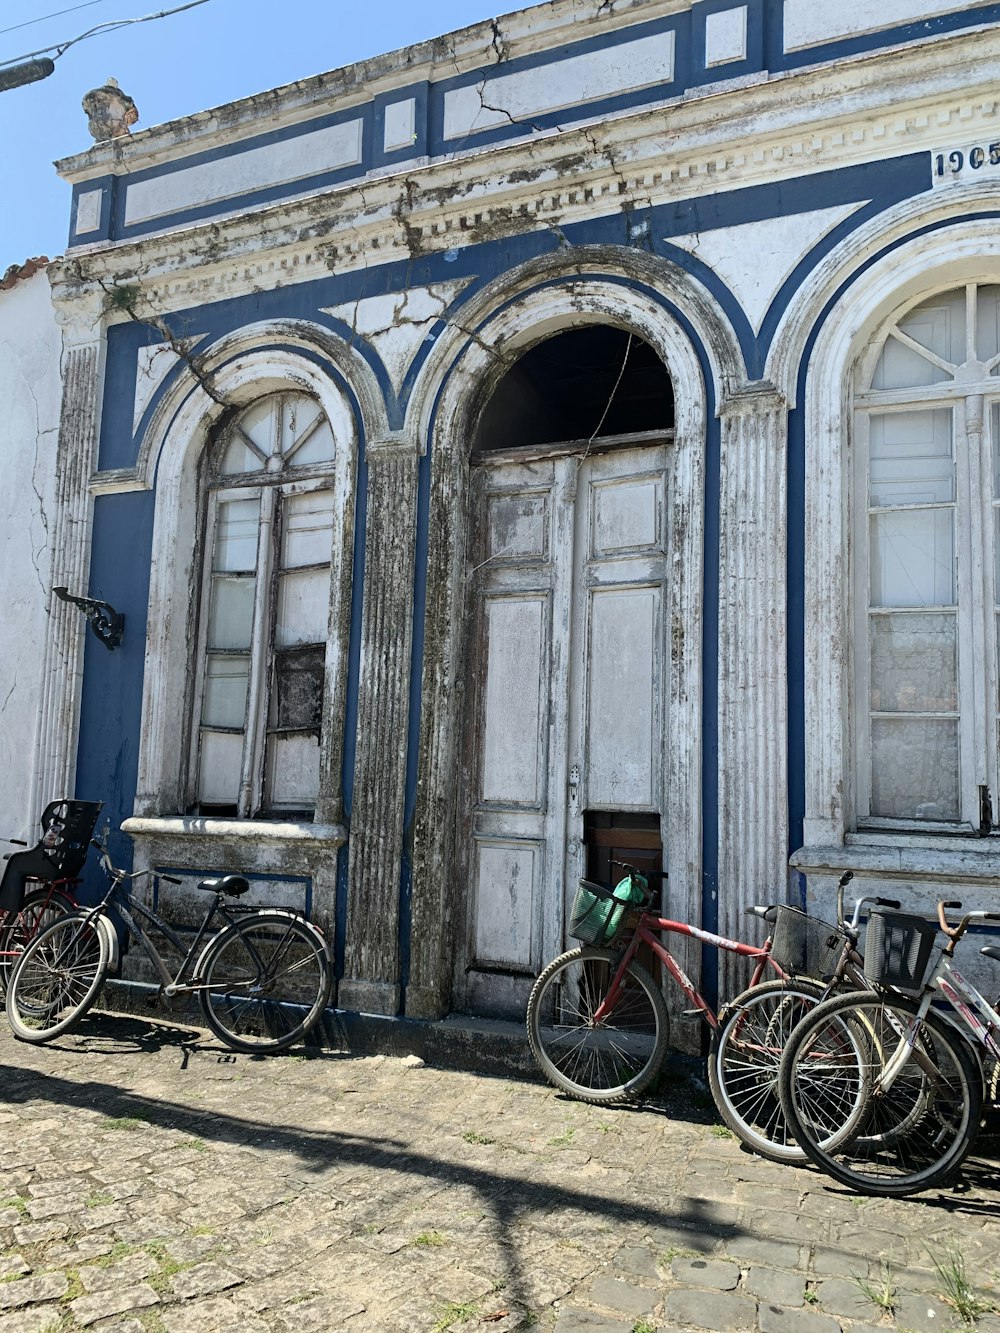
(260, 359)
(899, 259)
(663, 306)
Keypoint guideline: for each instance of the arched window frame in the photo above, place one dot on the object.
(261, 673)
(959, 402)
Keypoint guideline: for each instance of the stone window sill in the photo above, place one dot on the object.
(909, 855)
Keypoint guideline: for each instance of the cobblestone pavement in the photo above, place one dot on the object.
(153, 1182)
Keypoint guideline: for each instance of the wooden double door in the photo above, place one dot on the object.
(567, 666)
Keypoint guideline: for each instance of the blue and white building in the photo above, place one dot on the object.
(576, 436)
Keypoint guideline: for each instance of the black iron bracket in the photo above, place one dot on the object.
(107, 623)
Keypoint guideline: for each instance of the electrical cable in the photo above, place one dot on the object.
(59, 48)
(28, 23)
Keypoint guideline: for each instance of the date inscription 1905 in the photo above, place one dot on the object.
(961, 160)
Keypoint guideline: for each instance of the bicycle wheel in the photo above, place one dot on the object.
(40, 908)
(915, 1130)
(604, 1061)
(743, 1058)
(267, 980)
(57, 978)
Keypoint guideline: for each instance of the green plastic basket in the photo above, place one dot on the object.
(599, 913)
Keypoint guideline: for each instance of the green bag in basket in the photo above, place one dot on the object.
(599, 912)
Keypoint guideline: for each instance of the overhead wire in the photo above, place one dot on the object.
(29, 23)
(56, 49)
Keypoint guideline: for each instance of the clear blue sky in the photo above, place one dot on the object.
(221, 51)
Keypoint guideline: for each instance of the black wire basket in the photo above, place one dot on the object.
(805, 945)
(898, 949)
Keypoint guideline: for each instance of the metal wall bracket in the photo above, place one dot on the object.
(107, 623)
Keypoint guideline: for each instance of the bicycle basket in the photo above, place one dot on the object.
(804, 944)
(599, 913)
(898, 949)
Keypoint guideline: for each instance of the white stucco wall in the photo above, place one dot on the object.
(29, 418)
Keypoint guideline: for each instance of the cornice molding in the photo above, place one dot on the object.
(558, 180)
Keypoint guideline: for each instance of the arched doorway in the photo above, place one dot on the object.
(563, 754)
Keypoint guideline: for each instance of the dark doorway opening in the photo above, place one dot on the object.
(590, 383)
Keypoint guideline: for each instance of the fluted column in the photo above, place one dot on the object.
(753, 677)
(372, 962)
(57, 733)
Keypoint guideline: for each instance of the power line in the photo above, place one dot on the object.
(59, 48)
(45, 17)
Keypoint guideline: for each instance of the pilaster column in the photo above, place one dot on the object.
(57, 734)
(753, 683)
(372, 964)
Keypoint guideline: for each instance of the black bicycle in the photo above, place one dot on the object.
(262, 981)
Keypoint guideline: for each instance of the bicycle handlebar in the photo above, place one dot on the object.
(118, 874)
(955, 933)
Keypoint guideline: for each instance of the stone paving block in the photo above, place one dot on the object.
(203, 1280)
(317, 1316)
(665, 1239)
(764, 1250)
(924, 1313)
(775, 1319)
(829, 1261)
(628, 1297)
(36, 1233)
(637, 1259)
(104, 1304)
(714, 1273)
(574, 1320)
(12, 1265)
(843, 1296)
(217, 1315)
(776, 1286)
(32, 1290)
(40, 1319)
(125, 1273)
(721, 1311)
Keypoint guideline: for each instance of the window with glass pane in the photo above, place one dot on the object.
(266, 609)
(929, 564)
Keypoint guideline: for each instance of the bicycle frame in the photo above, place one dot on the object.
(643, 934)
(57, 888)
(121, 901)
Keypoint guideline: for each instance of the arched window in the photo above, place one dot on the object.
(927, 546)
(265, 607)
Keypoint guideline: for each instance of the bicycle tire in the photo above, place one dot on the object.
(267, 980)
(39, 909)
(913, 1135)
(743, 1058)
(613, 1061)
(57, 978)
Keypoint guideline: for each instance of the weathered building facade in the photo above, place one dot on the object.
(575, 436)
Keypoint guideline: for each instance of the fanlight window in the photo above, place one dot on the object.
(266, 598)
(928, 544)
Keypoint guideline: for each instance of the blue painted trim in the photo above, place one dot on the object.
(845, 47)
(765, 52)
(420, 93)
(753, 61)
(620, 101)
(107, 186)
(248, 198)
(795, 550)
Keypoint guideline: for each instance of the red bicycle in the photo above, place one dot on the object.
(37, 884)
(598, 1025)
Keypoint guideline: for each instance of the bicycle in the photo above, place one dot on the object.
(598, 1025)
(748, 1041)
(262, 981)
(883, 1092)
(53, 865)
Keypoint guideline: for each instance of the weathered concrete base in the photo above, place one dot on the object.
(479, 1045)
(370, 997)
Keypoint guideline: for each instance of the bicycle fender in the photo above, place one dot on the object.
(107, 929)
(272, 914)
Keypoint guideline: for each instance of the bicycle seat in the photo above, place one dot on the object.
(765, 913)
(991, 951)
(231, 885)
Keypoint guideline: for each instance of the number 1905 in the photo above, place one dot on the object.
(977, 157)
